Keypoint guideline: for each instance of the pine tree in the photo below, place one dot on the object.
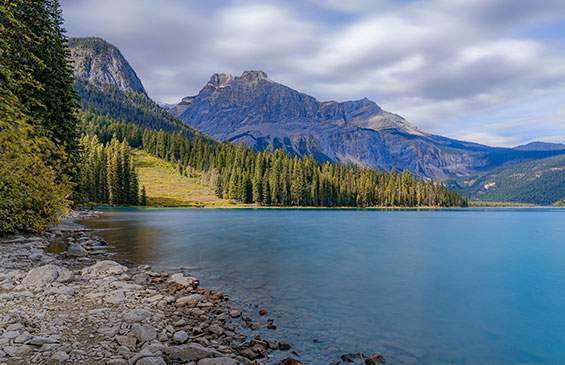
(143, 199)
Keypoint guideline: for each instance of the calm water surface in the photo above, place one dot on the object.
(439, 286)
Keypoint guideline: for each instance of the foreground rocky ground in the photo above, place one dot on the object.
(79, 307)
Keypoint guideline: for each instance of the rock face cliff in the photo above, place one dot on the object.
(98, 62)
(259, 112)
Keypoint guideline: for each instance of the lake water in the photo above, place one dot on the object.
(431, 286)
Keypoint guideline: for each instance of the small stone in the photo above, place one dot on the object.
(116, 298)
(46, 274)
(127, 341)
(62, 290)
(108, 331)
(262, 311)
(14, 351)
(180, 337)
(117, 362)
(151, 361)
(217, 361)
(180, 323)
(124, 351)
(23, 338)
(10, 334)
(144, 333)
(15, 327)
(106, 267)
(163, 336)
(215, 329)
(39, 340)
(140, 355)
(189, 300)
(283, 346)
(76, 250)
(136, 315)
(182, 281)
(235, 313)
(376, 358)
(250, 354)
(192, 352)
(60, 356)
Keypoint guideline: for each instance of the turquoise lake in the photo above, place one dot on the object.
(420, 286)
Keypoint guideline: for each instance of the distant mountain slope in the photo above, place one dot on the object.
(538, 182)
(99, 63)
(109, 87)
(541, 146)
(259, 112)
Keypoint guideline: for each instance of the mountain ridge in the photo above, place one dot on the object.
(257, 111)
(540, 146)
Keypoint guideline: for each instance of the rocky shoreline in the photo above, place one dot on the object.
(77, 306)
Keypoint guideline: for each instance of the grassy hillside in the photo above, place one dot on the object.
(166, 187)
(536, 182)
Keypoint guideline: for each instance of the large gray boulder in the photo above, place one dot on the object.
(47, 274)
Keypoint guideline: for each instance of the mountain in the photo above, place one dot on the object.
(541, 146)
(99, 63)
(258, 111)
(110, 90)
(537, 182)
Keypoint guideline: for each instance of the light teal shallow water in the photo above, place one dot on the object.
(434, 286)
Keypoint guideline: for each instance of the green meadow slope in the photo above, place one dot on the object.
(166, 187)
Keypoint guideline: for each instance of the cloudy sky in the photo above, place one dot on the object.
(489, 71)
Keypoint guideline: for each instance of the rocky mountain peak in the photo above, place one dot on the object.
(220, 79)
(253, 76)
(98, 62)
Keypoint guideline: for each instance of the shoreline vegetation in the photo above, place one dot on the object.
(73, 304)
